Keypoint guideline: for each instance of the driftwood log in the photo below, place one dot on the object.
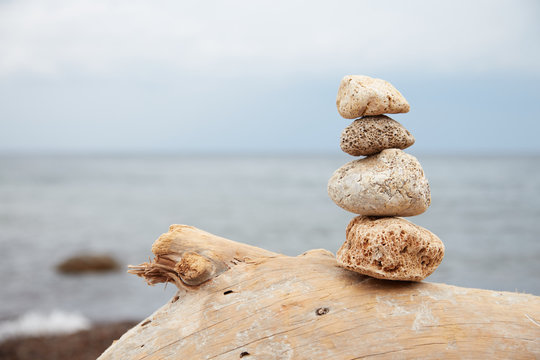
(238, 301)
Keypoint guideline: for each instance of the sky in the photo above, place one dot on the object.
(121, 76)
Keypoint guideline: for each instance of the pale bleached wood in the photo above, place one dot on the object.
(255, 304)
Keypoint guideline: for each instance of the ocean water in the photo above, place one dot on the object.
(485, 209)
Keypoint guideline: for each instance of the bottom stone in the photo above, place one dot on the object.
(390, 248)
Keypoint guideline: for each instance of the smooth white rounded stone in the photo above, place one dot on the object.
(390, 183)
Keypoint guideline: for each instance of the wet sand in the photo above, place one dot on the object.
(82, 345)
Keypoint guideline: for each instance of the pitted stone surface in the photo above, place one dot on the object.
(390, 183)
(360, 95)
(372, 134)
(390, 248)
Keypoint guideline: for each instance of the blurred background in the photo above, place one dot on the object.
(119, 118)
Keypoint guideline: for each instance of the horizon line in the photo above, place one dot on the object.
(252, 153)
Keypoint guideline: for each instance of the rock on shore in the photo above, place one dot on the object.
(88, 263)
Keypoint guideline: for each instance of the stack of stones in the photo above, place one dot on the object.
(381, 187)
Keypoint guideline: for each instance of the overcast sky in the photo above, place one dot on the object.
(262, 76)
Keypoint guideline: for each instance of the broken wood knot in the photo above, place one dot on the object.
(322, 311)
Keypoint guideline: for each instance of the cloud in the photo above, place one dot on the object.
(291, 36)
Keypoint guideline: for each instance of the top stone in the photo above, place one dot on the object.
(360, 95)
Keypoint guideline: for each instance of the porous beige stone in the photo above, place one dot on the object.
(360, 95)
(372, 134)
(390, 248)
(390, 183)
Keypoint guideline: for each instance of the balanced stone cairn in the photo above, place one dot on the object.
(381, 187)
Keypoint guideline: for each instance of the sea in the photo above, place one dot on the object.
(486, 210)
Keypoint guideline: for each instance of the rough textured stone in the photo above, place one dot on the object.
(372, 134)
(360, 95)
(391, 183)
(390, 248)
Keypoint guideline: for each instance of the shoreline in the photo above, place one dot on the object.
(80, 345)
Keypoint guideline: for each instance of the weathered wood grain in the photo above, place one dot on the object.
(261, 305)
